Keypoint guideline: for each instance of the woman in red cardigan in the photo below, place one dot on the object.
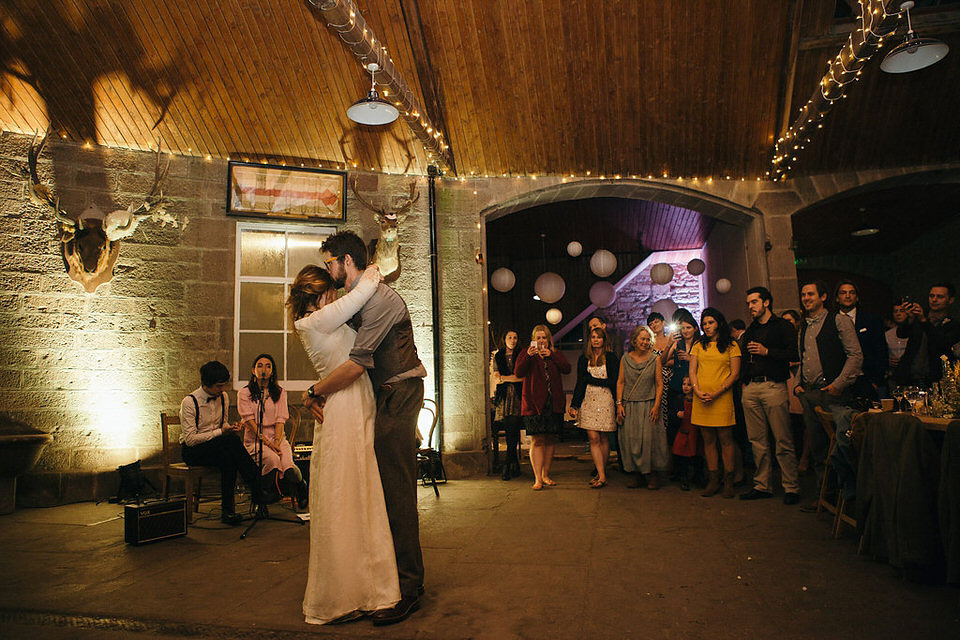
(544, 402)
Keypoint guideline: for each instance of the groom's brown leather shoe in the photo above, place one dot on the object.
(397, 613)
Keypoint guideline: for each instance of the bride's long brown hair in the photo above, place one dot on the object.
(310, 284)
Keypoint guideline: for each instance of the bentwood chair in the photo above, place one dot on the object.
(429, 460)
(192, 476)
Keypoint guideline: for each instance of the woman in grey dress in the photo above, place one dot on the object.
(643, 438)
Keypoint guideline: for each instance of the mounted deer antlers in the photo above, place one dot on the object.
(90, 246)
(386, 248)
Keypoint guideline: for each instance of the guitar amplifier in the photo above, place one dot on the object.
(154, 521)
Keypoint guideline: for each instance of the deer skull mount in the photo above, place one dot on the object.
(90, 245)
(386, 247)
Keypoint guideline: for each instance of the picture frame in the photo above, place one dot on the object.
(290, 193)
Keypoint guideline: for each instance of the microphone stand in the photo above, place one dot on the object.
(261, 512)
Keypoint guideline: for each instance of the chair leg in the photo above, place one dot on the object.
(841, 501)
(197, 494)
(166, 486)
(188, 492)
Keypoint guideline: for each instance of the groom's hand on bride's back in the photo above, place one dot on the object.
(314, 405)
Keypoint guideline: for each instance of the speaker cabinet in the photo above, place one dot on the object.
(154, 521)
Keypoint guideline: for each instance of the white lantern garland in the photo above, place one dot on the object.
(554, 316)
(502, 279)
(602, 294)
(574, 249)
(665, 307)
(661, 273)
(723, 285)
(696, 266)
(603, 263)
(549, 287)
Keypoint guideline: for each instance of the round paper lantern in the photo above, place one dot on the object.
(554, 316)
(665, 307)
(661, 273)
(549, 287)
(723, 285)
(696, 266)
(603, 263)
(503, 279)
(602, 294)
(574, 249)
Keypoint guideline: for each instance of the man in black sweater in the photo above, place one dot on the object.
(770, 345)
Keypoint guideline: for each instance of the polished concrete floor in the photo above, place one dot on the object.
(502, 561)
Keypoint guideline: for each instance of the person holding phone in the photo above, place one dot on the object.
(543, 400)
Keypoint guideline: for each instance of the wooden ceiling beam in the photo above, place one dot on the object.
(343, 18)
(878, 19)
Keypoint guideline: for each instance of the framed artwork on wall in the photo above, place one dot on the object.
(272, 191)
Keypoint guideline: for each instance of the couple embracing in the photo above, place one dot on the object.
(365, 554)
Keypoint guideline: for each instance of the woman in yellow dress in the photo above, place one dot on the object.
(714, 367)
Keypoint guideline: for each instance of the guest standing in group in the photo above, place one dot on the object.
(796, 411)
(714, 367)
(771, 345)
(267, 428)
(543, 400)
(597, 375)
(661, 343)
(678, 356)
(643, 438)
(507, 402)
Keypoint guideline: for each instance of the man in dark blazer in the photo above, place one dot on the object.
(873, 342)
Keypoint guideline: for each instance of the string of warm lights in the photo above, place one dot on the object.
(588, 176)
(876, 23)
(343, 17)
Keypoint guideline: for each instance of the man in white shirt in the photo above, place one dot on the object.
(209, 440)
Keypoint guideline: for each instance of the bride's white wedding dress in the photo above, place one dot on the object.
(352, 563)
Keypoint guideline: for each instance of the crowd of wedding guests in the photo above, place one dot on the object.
(706, 401)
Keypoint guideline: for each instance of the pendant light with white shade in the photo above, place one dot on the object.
(372, 110)
(914, 53)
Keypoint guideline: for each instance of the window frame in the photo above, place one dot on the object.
(240, 381)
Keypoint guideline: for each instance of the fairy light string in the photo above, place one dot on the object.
(878, 19)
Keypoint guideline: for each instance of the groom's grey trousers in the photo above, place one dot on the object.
(398, 407)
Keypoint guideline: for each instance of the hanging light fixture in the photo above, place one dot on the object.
(914, 52)
(372, 110)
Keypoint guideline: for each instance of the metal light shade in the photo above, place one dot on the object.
(372, 110)
(914, 53)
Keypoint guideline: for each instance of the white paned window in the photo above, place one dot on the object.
(269, 256)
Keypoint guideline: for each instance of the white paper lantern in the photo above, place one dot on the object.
(503, 279)
(549, 287)
(603, 263)
(696, 266)
(602, 294)
(665, 307)
(574, 249)
(554, 316)
(661, 273)
(723, 285)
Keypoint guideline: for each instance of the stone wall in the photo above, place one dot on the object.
(95, 370)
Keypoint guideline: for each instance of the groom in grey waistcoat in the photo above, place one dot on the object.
(384, 347)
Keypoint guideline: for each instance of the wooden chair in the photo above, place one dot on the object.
(192, 476)
(823, 504)
(429, 460)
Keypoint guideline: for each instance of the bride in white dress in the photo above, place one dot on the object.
(352, 567)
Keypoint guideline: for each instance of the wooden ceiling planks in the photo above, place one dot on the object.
(630, 87)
